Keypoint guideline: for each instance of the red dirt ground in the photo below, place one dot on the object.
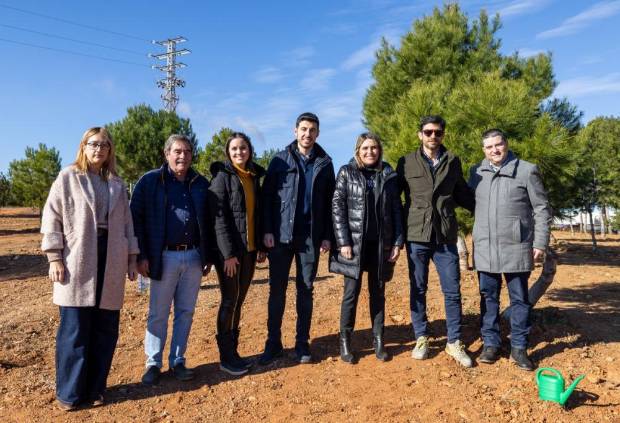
(576, 330)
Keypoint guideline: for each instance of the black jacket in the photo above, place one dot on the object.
(228, 209)
(280, 196)
(348, 210)
(148, 210)
(430, 202)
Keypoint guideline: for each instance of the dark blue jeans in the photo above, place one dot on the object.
(520, 307)
(446, 259)
(85, 344)
(280, 260)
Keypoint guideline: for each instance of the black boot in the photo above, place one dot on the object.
(380, 352)
(345, 348)
(245, 363)
(520, 358)
(228, 362)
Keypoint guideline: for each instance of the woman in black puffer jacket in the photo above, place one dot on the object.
(366, 211)
(234, 202)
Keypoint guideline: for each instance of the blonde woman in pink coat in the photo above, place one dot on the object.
(90, 245)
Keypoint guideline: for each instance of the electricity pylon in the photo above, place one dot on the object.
(170, 82)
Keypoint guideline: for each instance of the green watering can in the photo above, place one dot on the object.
(551, 386)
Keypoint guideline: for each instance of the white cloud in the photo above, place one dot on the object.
(366, 55)
(317, 79)
(363, 56)
(529, 52)
(576, 23)
(299, 56)
(233, 101)
(578, 87)
(184, 109)
(268, 75)
(252, 129)
(109, 87)
(521, 7)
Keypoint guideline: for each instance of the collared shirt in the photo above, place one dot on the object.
(181, 223)
(303, 211)
(497, 168)
(433, 164)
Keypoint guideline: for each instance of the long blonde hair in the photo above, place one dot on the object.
(360, 140)
(109, 166)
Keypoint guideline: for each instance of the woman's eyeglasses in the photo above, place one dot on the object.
(98, 145)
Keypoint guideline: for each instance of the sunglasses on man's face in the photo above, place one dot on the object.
(429, 132)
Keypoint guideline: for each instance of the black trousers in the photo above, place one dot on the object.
(234, 291)
(306, 262)
(85, 344)
(376, 291)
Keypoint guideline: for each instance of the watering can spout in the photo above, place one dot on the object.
(564, 395)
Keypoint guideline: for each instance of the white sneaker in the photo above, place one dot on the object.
(456, 349)
(420, 351)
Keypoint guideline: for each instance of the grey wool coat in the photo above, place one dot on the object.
(69, 226)
(512, 215)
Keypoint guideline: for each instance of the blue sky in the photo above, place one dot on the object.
(256, 65)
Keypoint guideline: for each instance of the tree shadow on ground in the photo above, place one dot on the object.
(582, 255)
(19, 231)
(588, 241)
(31, 215)
(22, 266)
(208, 374)
(590, 315)
(398, 339)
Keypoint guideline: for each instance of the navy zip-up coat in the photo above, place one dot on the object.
(148, 209)
(280, 196)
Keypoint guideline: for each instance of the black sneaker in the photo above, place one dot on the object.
(302, 351)
(151, 376)
(245, 363)
(182, 373)
(271, 353)
(232, 369)
(489, 355)
(520, 358)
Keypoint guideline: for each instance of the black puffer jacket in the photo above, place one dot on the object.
(227, 204)
(348, 215)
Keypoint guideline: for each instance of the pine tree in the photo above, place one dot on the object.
(32, 177)
(140, 136)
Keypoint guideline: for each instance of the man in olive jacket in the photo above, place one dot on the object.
(511, 230)
(432, 180)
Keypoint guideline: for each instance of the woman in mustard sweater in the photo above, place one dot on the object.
(235, 192)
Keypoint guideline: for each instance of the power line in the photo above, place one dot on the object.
(75, 53)
(61, 37)
(94, 28)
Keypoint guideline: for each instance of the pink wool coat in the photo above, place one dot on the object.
(69, 225)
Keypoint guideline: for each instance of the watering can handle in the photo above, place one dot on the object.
(542, 369)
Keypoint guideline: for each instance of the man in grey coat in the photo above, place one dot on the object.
(511, 231)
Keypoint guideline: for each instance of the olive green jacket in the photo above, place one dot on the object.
(430, 202)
